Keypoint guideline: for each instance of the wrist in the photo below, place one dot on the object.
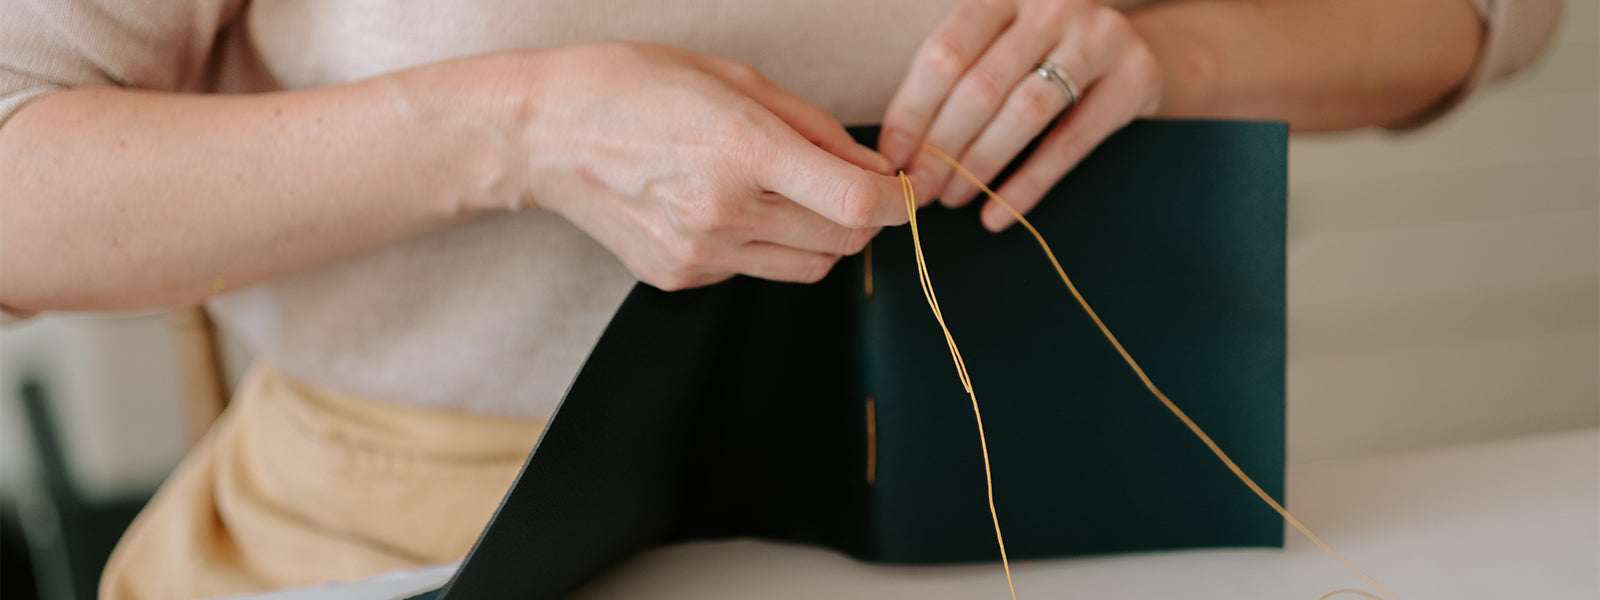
(1194, 81)
(471, 116)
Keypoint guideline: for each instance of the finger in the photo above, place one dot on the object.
(980, 94)
(1116, 99)
(813, 123)
(839, 191)
(782, 222)
(820, 128)
(1031, 107)
(672, 282)
(782, 263)
(948, 52)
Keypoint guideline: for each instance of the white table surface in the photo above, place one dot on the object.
(1513, 519)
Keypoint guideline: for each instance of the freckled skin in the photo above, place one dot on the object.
(430, 147)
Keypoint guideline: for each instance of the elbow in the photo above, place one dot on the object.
(1442, 67)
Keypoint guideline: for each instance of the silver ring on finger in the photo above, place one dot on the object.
(1058, 76)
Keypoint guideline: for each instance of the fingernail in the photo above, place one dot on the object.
(880, 163)
(896, 147)
(995, 219)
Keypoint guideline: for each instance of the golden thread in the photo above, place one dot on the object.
(872, 442)
(1223, 456)
(961, 370)
(866, 267)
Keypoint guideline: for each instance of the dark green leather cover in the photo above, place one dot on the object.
(739, 409)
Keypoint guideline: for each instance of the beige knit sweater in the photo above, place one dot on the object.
(496, 316)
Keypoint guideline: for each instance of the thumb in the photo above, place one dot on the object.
(843, 192)
(807, 119)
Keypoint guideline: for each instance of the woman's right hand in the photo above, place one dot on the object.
(690, 168)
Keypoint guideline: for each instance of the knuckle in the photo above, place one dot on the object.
(708, 217)
(816, 269)
(944, 56)
(982, 90)
(838, 241)
(740, 122)
(739, 137)
(698, 255)
(1036, 104)
(896, 129)
(1104, 29)
(681, 281)
(739, 114)
(858, 240)
(1143, 65)
(687, 255)
(676, 252)
(856, 204)
(742, 71)
(670, 284)
(841, 241)
(667, 279)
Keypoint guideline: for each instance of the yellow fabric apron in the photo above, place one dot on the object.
(296, 485)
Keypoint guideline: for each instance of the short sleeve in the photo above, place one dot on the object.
(50, 45)
(1515, 33)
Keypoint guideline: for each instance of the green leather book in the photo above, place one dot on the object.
(741, 409)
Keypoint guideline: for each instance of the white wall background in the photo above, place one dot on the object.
(1443, 288)
(1443, 284)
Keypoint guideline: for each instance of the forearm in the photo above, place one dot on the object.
(1317, 64)
(116, 199)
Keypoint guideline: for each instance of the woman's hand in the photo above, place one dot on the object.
(692, 169)
(689, 168)
(973, 92)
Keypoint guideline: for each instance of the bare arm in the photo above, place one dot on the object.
(692, 170)
(126, 199)
(1317, 64)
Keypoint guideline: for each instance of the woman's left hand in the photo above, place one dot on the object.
(974, 91)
